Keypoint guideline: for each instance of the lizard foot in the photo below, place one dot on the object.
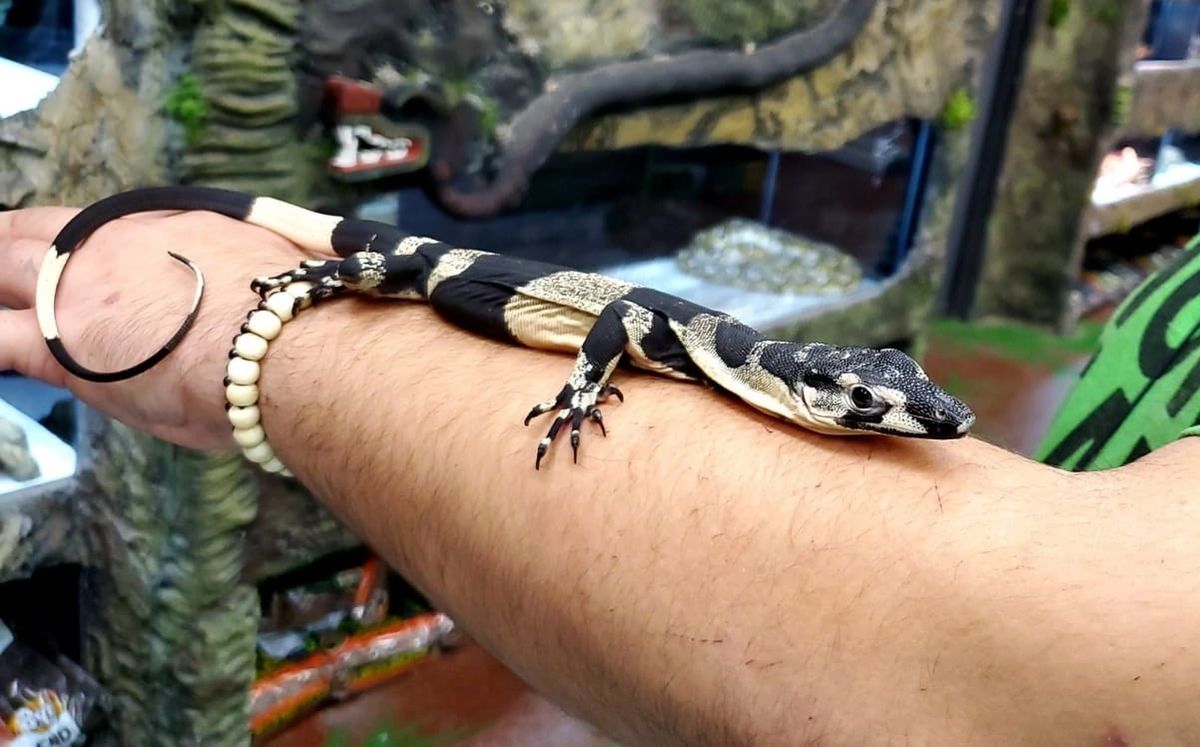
(573, 404)
(314, 280)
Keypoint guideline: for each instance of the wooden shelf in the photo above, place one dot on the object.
(1142, 203)
(1166, 96)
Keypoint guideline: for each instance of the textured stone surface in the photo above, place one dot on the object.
(173, 630)
(1166, 95)
(1066, 117)
(97, 133)
(570, 33)
(243, 57)
(902, 64)
(37, 528)
(566, 34)
(747, 21)
(15, 459)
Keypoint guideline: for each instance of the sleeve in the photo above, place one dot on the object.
(1141, 390)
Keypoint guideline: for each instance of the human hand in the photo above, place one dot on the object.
(121, 297)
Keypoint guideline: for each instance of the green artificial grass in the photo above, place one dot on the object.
(1017, 342)
(390, 735)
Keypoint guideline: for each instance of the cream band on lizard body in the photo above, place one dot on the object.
(830, 389)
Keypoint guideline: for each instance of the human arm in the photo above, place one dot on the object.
(705, 574)
(708, 574)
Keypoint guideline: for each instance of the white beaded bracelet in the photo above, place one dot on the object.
(263, 324)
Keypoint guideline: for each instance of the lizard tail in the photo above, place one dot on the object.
(232, 204)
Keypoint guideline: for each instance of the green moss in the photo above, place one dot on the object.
(470, 93)
(489, 113)
(185, 105)
(1056, 12)
(958, 112)
(320, 150)
(1122, 104)
(1107, 12)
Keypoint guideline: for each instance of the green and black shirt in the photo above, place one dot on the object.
(1141, 390)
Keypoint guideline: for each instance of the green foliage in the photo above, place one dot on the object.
(467, 91)
(489, 113)
(185, 105)
(958, 112)
(389, 735)
(1056, 12)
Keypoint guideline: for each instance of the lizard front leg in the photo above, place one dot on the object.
(319, 276)
(617, 330)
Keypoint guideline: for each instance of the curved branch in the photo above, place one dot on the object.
(541, 126)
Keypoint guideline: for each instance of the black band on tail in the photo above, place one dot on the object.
(232, 204)
(77, 369)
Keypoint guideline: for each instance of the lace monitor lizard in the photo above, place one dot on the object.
(827, 388)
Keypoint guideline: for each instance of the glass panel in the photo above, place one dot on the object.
(36, 39)
(761, 235)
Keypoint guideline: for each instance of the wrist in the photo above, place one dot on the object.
(313, 376)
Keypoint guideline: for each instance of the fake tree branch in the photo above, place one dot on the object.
(541, 126)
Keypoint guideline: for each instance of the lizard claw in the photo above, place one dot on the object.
(319, 277)
(574, 404)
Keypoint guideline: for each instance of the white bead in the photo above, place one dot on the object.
(250, 346)
(298, 288)
(243, 417)
(260, 453)
(242, 371)
(247, 437)
(281, 304)
(264, 324)
(241, 395)
(274, 465)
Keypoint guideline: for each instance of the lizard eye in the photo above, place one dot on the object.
(862, 398)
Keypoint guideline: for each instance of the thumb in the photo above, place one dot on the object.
(22, 348)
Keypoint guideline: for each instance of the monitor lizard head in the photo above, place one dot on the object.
(876, 391)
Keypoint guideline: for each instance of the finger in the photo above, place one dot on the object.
(22, 348)
(40, 223)
(19, 262)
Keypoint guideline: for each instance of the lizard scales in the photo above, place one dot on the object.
(830, 389)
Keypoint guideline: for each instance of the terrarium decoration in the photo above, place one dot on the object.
(753, 256)
(16, 461)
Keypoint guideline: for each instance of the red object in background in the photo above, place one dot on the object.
(349, 96)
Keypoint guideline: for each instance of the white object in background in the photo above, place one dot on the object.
(87, 18)
(23, 87)
(54, 458)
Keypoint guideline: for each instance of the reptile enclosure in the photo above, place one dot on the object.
(1083, 93)
(364, 106)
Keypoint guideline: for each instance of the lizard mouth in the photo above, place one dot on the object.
(910, 426)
